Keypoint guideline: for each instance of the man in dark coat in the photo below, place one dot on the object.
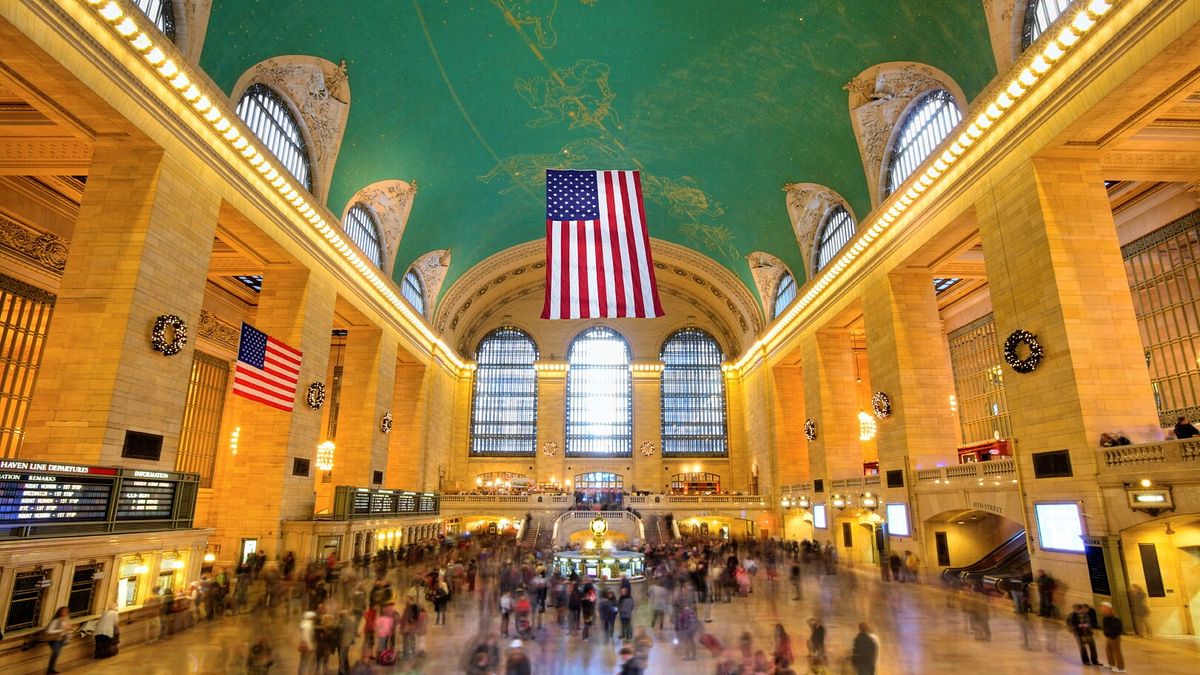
(865, 652)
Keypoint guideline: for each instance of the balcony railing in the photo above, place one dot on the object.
(995, 469)
(513, 500)
(1151, 455)
(660, 500)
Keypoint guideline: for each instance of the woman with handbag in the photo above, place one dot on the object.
(107, 633)
(57, 634)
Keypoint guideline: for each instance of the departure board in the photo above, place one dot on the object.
(146, 499)
(373, 502)
(40, 498)
(37, 495)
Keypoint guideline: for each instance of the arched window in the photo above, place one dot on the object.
(268, 116)
(693, 396)
(413, 291)
(1039, 16)
(599, 395)
(504, 404)
(834, 233)
(929, 121)
(363, 229)
(162, 13)
(785, 293)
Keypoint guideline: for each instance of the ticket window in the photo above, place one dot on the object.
(330, 545)
(127, 584)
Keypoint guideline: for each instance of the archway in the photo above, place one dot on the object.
(600, 488)
(1162, 562)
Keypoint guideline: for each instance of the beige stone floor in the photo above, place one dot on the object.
(922, 629)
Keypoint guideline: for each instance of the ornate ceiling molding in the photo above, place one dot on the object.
(767, 270)
(808, 204)
(432, 268)
(44, 250)
(879, 97)
(391, 202)
(319, 90)
(517, 272)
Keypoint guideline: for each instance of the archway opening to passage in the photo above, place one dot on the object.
(599, 488)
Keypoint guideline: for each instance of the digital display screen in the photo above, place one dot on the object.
(819, 516)
(376, 502)
(146, 499)
(897, 520)
(28, 498)
(1059, 527)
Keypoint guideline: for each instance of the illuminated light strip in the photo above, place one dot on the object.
(1053, 50)
(226, 128)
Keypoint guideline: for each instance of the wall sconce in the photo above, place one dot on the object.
(141, 567)
(210, 557)
(803, 502)
(870, 501)
(786, 502)
(234, 436)
(325, 456)
(838, 502)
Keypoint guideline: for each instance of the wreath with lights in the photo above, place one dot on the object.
(550, 448)
(385, 424)
(881, 405)
(647, 448)
(810, 429)
(1029, 363)
(158, 337)
(316, 395)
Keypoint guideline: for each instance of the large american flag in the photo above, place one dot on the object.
(598, 262)
(267, 370)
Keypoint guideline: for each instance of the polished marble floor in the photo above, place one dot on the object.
(921, 629)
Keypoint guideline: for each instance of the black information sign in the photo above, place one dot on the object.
(146, 499)
(1097, 570)
(40, 498)
(36, 495)
(373, 502)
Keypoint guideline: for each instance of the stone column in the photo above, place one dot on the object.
(791, 448)
(830, 400)
(1055, 269)
(647, 426)
(551, 415)
(410, 391)
(141, 245)
(257, 487)
(910, 362)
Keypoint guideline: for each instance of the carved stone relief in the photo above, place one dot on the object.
(48, 251)
(191, 25)
(320, 91)
(391, 201)
(767, 270)
(220, 332)
(432, 268)
(808, 204)
(1005, 33)
(878, 97)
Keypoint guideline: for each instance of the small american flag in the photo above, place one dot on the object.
(598, 262)
(267, 370)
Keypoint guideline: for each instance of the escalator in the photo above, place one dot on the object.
(1004, 568)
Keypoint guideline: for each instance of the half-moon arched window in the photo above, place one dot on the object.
(835, 232)
(1039, 16)
(504, 404)
(928, 122)
(413, 291)
(268, 116)
(599, 395)
(785, 293)
(693, 396)
(363, 230)
(162, 13)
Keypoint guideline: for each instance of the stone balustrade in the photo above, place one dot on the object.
(944, 475)
(1152, 455)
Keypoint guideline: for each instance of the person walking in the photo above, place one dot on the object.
(347, 635)
(607, 607)
(308, 644)
(1082, 622)
(587, 610)
(58, 632)
(107, 633)
(783, 645)
(816, 639)
(625, 606)
(1112, 627)
(794, 576)
(865, 652)
(1046, 587)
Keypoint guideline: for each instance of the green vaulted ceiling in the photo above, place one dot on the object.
(718, 102)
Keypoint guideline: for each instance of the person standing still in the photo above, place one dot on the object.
(865, 652)
(1112, 627)
(625, 609)
(57, 634)
(1082, 621)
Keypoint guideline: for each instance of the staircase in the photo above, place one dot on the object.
(658, 532)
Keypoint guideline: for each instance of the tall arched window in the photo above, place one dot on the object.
(363, 229)
(599, 395)
(504, 404)
(162, 13)
(1039, 16)
(785, 293)
(929, 121)
(693, 396)
(413, 291)
(837, 229)
(268, 116)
